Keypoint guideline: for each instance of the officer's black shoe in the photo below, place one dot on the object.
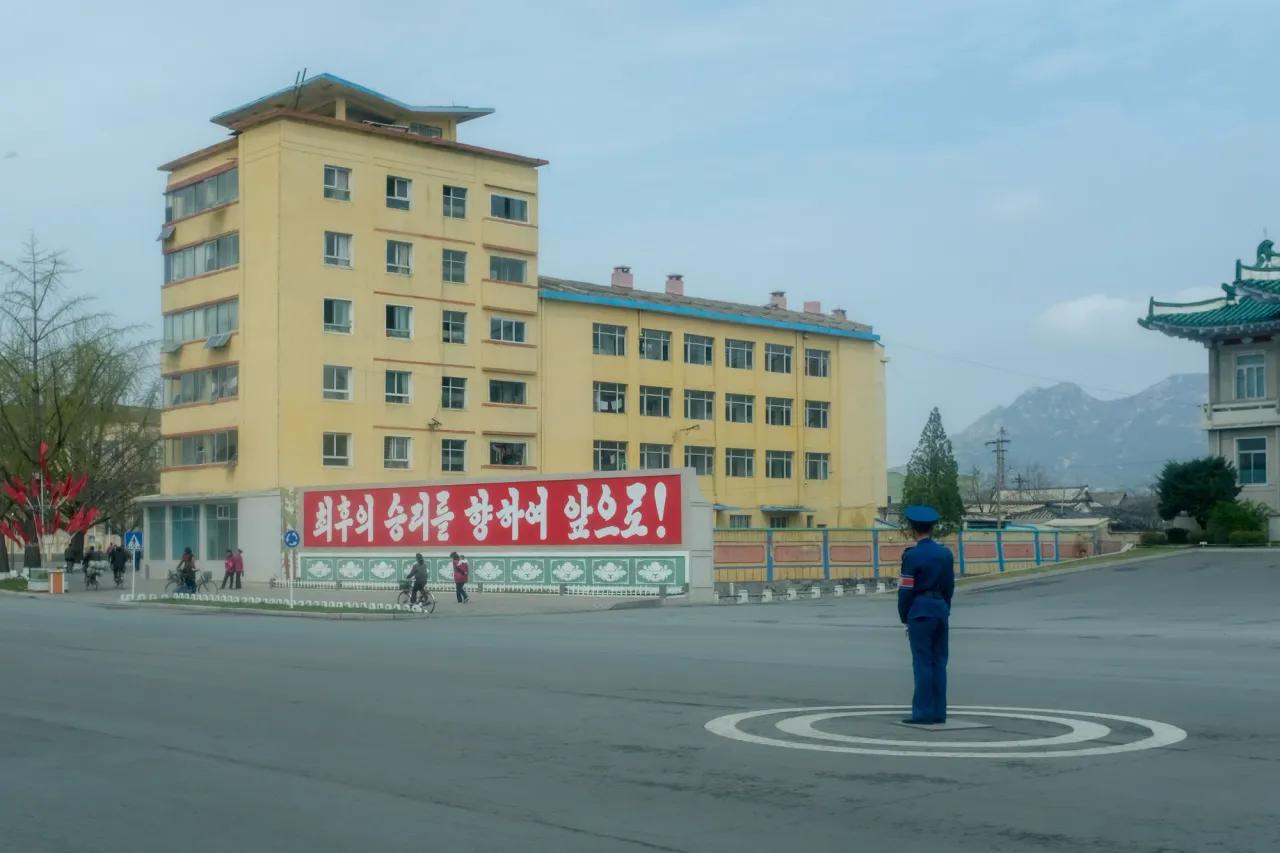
(911, 721)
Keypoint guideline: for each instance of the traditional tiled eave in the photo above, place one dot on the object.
(1230, 316)
(1259, 290)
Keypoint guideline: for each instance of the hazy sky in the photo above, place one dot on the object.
(994, 182)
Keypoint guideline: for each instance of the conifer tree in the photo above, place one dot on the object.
(932, 476)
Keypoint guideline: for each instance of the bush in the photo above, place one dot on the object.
(1178, 535)
(1153, 537)
(1230, 516)
(1242, 538)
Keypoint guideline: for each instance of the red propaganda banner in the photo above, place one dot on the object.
(635, 510)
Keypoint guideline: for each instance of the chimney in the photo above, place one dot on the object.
(778, 299)
(839, 314)
(622, 278)
(675, 284)
(813, 307)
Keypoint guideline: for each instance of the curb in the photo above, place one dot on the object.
(638, 604)
(250, 611)
(1067, 569)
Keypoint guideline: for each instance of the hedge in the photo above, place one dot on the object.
(1241, 538)
(1153, 537)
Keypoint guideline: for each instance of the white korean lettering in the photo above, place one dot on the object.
(606, 507)
(324, 519)
(633, 522)
(364, 518)
(444, 515)
(510, 513)
(578, 511)
(536, 513)
(344, 522)
(420, 516)
(480, 513)
(396, 518)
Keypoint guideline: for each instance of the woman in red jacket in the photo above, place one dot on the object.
(461, 571)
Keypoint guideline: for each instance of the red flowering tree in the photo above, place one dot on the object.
(42, 507)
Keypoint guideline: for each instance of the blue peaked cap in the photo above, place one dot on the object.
(921, 514)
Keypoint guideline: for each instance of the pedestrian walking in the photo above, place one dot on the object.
(228, 571)
(461, 572)
(239, 558)
(925, 586)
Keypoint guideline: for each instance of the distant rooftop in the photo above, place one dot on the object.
(773, 315)
(319, 91)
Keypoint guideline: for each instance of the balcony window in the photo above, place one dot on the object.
(1251, 461)
(395, 451)
(337, 382)
(337, 183)
(209, 256)
(506, 392)
(701, 459)
(337, 316)
(1251, 377)
(609, 397)
(508, 207)
(453, 454)
(194, 198)
(453, 266)
(777, 358)
(655, 402)
(610, 455)
(607, 339)
(220, 318)
(503, 329)
(739, 522)
(455, 202)
(508, 453)
(206, 448)
(337, 249)
(512, 270)
(398, 192)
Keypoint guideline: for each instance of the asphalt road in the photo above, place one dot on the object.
(139, 730)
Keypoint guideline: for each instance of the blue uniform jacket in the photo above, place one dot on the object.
(926, 567)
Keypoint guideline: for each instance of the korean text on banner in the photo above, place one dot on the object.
(637, 510)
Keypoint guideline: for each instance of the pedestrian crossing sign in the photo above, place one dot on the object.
(133, 540)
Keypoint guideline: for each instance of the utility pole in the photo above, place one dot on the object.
(998, 448)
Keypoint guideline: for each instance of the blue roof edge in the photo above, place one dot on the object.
(704, 313)
(469, 112)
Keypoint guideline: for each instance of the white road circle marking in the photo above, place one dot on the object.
(1080, 730)
(1161, 734)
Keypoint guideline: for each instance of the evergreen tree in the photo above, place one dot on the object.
(1195, 487)
(932, 476)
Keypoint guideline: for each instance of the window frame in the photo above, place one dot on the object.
(503, 325)
(448, 393)
(387, 461)
(397, 397)
(655, 392)
(608, 332)
(336, 260)
(396, 268)
(394, 333)
(779, 404)
(782, 458)
(450, 202)
(1243, 374)
(748, 401)
(616, 390)
(334, 328)
(651, 336)
(329, 393)
(449, 264)
(396, 201)
(703, 343)
(648, 449)
(812, 407)
(451, 321)
(705, 453)
(508, 202)
(739, 521)
(333, 191)
(744, 455)
(496, 384)
(447, 451)
(812, 356)
(708, 402)
(1253, 454)
(618, 449)
(778, 351)
(497, 271)
(333, 460)
(745, 352)
(524, 454)
(817, 456)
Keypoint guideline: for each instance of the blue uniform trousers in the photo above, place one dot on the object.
(928, 638)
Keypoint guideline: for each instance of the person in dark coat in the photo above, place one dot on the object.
(925, 586)
(118, 558)
(418, 578)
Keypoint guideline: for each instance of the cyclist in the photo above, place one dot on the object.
(118, 558)
(418, 575)
(187, 572)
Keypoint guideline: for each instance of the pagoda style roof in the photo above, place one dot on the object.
(1249, 306)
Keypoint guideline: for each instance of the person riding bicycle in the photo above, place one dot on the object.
(119, 557)
(187, 571)
(418, 576)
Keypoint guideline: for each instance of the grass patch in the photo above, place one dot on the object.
(297, 608)
(1083, 562)
(14, 584)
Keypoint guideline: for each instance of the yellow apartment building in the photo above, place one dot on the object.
(352, 295)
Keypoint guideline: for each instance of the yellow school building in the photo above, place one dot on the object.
(352, 295)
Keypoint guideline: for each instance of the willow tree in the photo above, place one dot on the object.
(73, 379)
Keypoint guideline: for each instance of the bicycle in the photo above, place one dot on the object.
(204, 583)
(91, 578)
(428, 602)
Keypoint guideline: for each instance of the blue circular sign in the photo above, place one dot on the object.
(291, 538)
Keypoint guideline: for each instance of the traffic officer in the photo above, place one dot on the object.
(925, 587)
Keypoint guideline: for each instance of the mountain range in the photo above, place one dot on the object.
(1064, 436)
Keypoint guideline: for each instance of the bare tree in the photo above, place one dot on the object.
(71, 378)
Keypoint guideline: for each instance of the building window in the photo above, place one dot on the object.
(453, 392)
(740, 462)
(454, 327)
(507, 269)
(453, 266)
(502, 329)
(1251, 377)
(609, 397)
(701, 459)
(610, 455)
(698, 349)
(777, 464)
(655, 345)
(336, 450)
(506, 392)
(202, 386)
(817, 466)
(508, 207)
(655, 456)
(777, 411)
(337, 249)
(337, 316)
(155, 532)
(184, 527)
(399, 321)
(817, 362)
(337, 183)
(206, 448)
(507, 453)
(699, 405)
(453, 454)
(398, 386)
(455, 202)
(398, 192)
(221, 318)
(779, 522)
(337, 382)
(777, 358)
(395, 451)
(195, 198)
(1251, 461)
(399, 257)
(608, 340)
(739, 408)
(739, 354)
(655, 402)
(816, 413)
(739, 522)
(209, 256)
